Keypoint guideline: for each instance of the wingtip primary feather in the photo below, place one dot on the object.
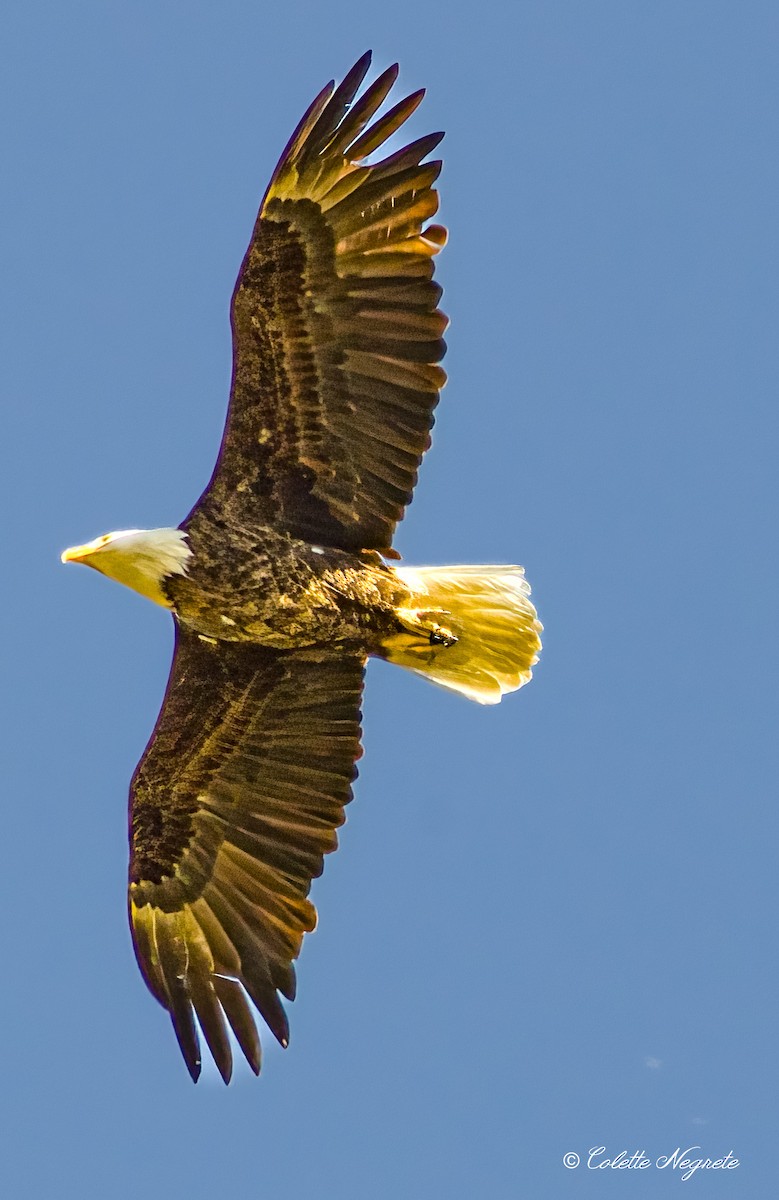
(382, 129)
(332, 114)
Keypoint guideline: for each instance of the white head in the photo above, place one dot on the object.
(139, 558)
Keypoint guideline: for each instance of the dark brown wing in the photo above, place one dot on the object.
(232, 808)
(336, 333)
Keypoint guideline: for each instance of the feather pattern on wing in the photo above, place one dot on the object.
(232, 808)
(337, 335)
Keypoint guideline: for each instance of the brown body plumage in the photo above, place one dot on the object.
(266, 586)
(278, 582)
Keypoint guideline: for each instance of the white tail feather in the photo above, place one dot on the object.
(488, 611)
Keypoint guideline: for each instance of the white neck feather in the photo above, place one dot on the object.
(164, 549)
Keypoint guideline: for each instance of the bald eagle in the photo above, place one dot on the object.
(280, 580)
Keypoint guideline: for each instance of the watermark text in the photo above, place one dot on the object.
(686, 1160)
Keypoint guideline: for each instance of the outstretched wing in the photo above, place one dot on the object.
(232, 808)
(336, 330)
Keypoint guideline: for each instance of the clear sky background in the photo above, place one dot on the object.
(552, 925)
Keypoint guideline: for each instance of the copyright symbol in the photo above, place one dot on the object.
(571, 1160)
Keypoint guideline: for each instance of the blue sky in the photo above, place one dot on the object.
(550, 926)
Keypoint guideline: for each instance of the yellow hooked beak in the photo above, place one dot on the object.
(81, 553)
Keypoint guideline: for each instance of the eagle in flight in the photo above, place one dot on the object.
(279, 581)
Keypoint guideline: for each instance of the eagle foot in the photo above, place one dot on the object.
(442, 637)
(425, 627)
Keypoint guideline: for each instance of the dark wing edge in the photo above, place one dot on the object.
(336, 331)
(232, 808)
